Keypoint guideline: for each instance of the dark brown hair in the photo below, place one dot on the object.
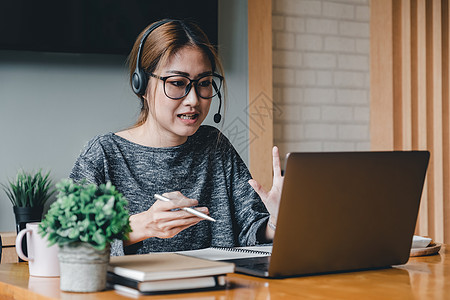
(161, 44)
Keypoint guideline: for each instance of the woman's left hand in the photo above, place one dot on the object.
(272, 198)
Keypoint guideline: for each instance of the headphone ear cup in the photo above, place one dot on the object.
(139, 79)
(139, 82)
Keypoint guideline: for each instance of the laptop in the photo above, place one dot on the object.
(344, 211)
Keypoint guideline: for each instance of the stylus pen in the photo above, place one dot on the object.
(188, 209)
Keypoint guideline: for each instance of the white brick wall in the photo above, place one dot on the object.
(321, 75)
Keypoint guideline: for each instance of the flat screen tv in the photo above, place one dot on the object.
(93, 26)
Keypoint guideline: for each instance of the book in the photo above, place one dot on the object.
(224, 253)
(163, 266)
(136, 287)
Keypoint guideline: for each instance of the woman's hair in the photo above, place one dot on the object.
(161, 44)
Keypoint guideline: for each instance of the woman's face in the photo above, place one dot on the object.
(174, 120)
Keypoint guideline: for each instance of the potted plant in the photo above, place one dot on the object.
(83, 221)
(28, 194)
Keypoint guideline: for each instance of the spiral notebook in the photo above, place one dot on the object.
(342, 211)
(223, 253)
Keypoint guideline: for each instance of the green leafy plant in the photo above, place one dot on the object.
(86, 213)
(29, 190)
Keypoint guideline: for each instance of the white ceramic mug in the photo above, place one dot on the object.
(42, 260)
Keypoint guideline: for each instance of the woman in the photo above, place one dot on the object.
(173, 70)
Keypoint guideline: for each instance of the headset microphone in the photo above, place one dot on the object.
(218, 116)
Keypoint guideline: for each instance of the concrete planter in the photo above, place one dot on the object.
(83, 268)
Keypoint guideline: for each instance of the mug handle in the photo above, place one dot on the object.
(19, 244)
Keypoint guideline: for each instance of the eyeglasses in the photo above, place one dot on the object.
(178, 86)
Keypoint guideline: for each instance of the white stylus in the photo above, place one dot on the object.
(188, 209)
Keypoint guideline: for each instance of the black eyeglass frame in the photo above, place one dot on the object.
(189, 86)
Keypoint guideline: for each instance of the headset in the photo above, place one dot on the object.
(139, 79)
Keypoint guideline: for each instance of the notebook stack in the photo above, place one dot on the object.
(165, 272)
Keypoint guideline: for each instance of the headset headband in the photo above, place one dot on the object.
(139, 78)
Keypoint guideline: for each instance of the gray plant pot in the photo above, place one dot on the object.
(83, 268)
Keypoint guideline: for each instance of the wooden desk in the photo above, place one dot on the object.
(425, 277)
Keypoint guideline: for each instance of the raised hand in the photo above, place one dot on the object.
(272, 198)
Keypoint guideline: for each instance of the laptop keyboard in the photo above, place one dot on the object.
(254, 263)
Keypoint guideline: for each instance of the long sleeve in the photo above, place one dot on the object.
(250, 212)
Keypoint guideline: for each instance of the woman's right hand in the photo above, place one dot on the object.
(164, 219)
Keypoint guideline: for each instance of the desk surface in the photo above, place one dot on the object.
(426, 277)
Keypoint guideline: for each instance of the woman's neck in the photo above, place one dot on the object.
(147, 135)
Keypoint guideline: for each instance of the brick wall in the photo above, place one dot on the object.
(321, 75)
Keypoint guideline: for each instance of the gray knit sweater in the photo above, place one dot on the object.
(206, 167)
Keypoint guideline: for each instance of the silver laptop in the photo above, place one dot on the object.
(342, 212)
